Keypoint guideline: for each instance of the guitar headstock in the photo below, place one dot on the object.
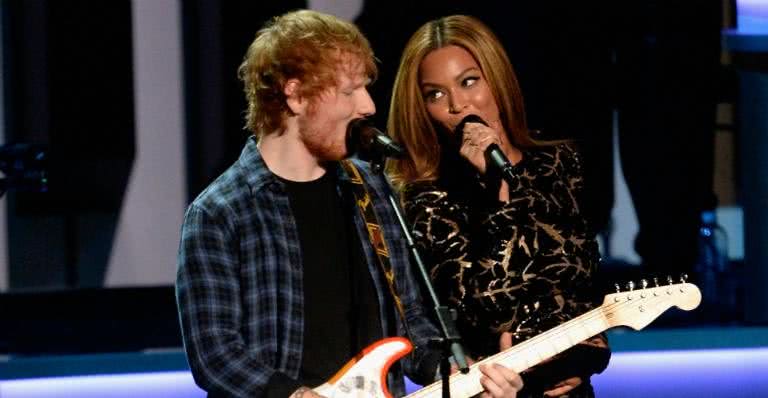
(638, 306)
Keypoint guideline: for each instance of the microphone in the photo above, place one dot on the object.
(494, 157)
(370, 143)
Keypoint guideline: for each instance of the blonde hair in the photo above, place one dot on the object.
(305, 45)
(408, 120)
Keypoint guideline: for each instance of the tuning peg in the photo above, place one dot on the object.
(683, 278)
(644, 283)
(656, 286)
(618, 290)
(631, 288)
(670, 281)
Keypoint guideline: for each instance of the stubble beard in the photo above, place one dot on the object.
(321, 143)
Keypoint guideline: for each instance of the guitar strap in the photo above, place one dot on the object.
(375, 234)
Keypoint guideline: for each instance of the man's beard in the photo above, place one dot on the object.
(321, 145)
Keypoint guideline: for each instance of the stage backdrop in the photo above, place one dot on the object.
(139, 104)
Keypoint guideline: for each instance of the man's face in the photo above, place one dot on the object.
(323, 128)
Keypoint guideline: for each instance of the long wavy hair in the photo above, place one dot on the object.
(410, 124)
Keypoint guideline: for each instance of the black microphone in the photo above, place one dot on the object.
(494, 157)
(370, 143)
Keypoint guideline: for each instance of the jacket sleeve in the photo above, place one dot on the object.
(208, 299)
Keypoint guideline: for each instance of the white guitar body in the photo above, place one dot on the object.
(365, 375)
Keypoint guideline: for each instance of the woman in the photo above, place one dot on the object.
(510, 256)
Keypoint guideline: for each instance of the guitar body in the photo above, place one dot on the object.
(366, 374)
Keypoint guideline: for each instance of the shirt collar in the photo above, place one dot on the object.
(258, 175)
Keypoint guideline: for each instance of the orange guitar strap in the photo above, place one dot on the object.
(375, 233)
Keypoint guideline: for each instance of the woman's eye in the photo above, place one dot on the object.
(433, 95)
(469, 81)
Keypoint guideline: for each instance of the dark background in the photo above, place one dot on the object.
(68, 86)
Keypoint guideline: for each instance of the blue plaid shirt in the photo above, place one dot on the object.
(239, 282)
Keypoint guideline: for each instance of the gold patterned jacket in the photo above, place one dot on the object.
(522, 266)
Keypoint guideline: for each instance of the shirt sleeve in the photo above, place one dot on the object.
(208, 298)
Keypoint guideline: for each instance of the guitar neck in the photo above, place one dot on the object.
(635, 308)
(526, 354)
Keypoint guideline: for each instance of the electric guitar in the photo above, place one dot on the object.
(365, 375)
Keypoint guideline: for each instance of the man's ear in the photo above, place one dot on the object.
(296, 103)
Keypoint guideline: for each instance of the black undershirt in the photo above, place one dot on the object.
(341, 309)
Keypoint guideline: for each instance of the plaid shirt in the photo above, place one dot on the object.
(239, 282)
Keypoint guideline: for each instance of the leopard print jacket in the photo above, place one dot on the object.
(522, 266)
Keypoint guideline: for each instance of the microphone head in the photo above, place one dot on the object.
(458, 132)
(369, 143)
(357, 129)
(468, 119)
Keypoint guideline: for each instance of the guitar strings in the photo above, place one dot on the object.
(598, 313)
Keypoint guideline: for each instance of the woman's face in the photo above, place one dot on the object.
(453, 87)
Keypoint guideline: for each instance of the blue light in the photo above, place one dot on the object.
(161, 384)
(737, 372)
(752, 16)
(682, 374)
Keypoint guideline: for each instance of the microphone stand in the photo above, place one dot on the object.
(449, 343)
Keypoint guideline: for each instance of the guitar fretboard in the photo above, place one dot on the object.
(526, 354)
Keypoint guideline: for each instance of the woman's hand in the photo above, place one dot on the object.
(475, 140)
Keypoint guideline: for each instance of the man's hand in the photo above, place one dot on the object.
(563, 387)
(305, 392)
(499, 382)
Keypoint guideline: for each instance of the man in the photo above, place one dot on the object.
(278, 283)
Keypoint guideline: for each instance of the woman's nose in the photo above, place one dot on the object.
(456, 104)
